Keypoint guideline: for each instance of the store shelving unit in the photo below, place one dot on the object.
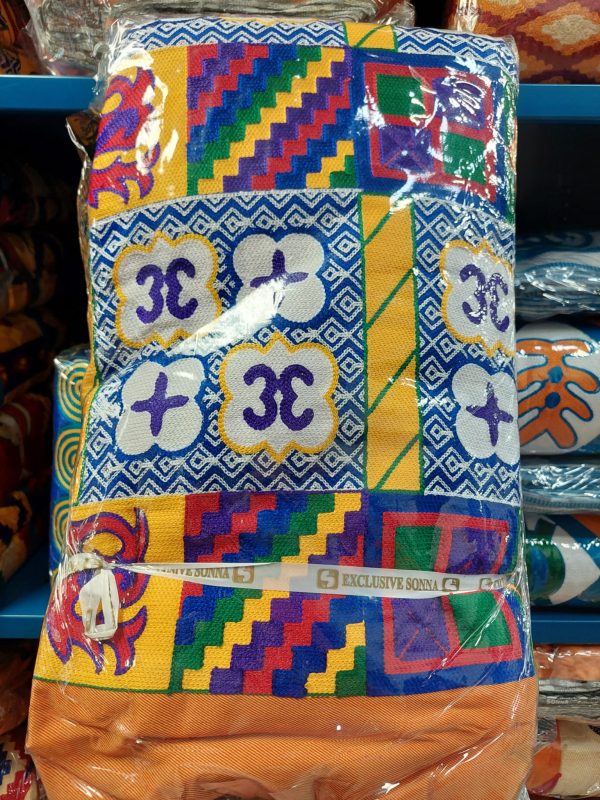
(23, 601)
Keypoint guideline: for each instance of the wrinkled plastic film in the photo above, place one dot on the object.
(70, 34)
(569, 682)
(563, 485)
(566, 763)
(295, 524)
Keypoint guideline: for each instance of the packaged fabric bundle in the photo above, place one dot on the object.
(28, 269)
(563, 559)
(293, 564)
(16, 53)
(24, 439)
(558, 274)
(70, 367)
(70, 34)
(16, 670)
(569, 681)
(561, 485)
(28, 341)
(559, 42)
(558, 377)
(18, 778)
(27, 199)
(567, 761)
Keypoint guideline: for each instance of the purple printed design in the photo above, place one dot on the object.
(63, 622)
(278, 398)
(124, 157)
(159, 404)
(491, 413)
(166, 289)
(487, 293)
(278, 272)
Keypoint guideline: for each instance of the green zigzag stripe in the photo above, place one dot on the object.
(302, 523)
(220, 150)
(353, 682)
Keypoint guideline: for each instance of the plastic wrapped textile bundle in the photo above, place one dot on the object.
(299, 451)
(16, 671)
(22, 525)
(558, 41)
(558, 274)
(563, 559)
(27, 199)
(18, 778)
(567, 760)
(70, 34)
(70, 367)
(561, 485)
(558, 377)
(16, 51)
(24, 440)
(569, 681)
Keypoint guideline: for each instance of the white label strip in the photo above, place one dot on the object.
(309, 578)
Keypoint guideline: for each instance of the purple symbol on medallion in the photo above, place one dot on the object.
(279, 271)
(268, 397)
(491, 413)
(159, 404)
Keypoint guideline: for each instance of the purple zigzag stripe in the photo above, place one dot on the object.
(211, 69)
(282, 132)
(340, 545)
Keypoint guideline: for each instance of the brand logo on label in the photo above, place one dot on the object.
(450, 585)
(491, 583)
(328, 579)
(243, 575)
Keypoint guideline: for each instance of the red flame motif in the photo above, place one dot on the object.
(119, 136)
(64, 624)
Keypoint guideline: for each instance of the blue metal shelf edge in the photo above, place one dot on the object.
(554, 102)
(565, 626)
(44, 93)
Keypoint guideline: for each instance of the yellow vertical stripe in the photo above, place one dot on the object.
(340, 660)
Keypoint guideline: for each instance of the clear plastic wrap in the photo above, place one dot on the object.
(567, 760)
(563, 559)
(558, 377)
(294, 560)
(569, 682)
(69, 369)
(558, 274)
(561, 485)
(70, 34)
(558, 41)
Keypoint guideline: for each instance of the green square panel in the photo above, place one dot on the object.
(480, 622)
(416, 547)
(464, 157)
(400, 96)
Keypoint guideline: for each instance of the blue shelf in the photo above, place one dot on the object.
(24, 599)
(44, 93)
(64, 94)
(559, 103)
(565, 626)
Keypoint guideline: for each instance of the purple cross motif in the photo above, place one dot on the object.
(491, 413)
(279, 271)
(159, 404)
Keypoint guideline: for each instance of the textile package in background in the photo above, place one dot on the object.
(24, 440)
(69, 369)
(567, 761)
(16, 52)
(563, 559)
(16, 670)
(558, 274)
(28, 271)
(569, 681)
(18, 778)
(70, 34)
(22, 524)
(28, 200)
(558, 377)
(274, 379)
(558, 40)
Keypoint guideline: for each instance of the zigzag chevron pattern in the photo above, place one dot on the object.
(332, 217)
(266, 118)
(447, 468)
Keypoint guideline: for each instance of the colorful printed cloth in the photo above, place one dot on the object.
(28, 266)
(563, 559)
(24, 440)
(569, 682)
(18, 779)
(16, 670)
(70, 33)
(558, 274)
(561, 486)
(302, 354)
(558, 41)
(558, 377)
(70, 367)
(22, 525)
(28, 200)
(27, 344)
(567, 762)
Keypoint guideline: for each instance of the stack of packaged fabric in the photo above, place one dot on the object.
(292, 565)
(18, 778)
(30, 256)
(17, 55)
